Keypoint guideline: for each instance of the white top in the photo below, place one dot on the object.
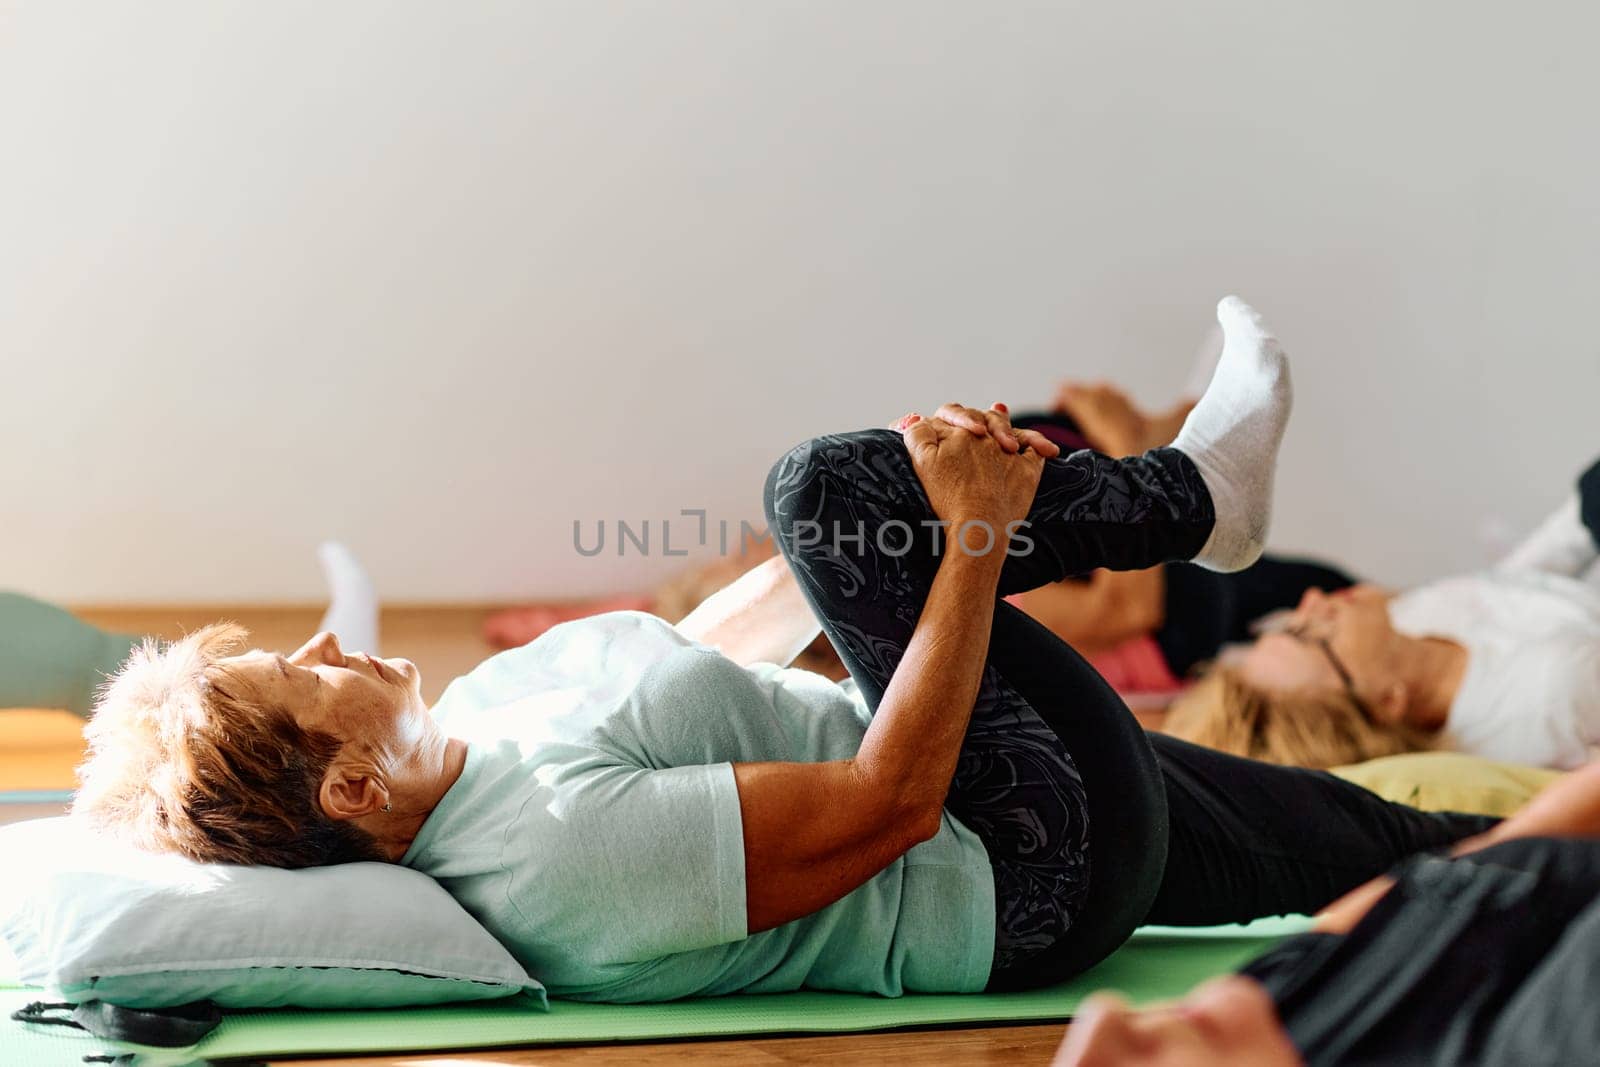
(1531, 691)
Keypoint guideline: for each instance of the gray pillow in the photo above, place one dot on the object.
(96, 919)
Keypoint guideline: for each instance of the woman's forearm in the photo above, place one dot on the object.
(910, 750)
(814, 832)
(761, 618)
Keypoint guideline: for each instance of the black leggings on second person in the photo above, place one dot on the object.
(1091, 828)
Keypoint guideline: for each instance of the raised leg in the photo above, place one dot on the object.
(1055, 776)
(852, 501)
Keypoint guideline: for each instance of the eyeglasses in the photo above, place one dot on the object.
(1300, 632)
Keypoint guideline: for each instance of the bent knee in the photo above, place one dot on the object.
(865, 465)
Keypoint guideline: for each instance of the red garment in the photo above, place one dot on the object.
(1136, 666)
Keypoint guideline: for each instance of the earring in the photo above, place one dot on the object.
(386, 807)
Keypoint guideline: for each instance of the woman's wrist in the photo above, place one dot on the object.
(971, 533)
(977, 547)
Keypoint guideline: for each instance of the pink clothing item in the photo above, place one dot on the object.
(1136, 666)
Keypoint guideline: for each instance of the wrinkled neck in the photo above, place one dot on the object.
(428, 778)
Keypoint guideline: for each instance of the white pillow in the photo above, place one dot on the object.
(96, 919)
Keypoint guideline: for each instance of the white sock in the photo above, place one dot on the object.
(352, 614)
(1562, 544)
(1233, 433)
(1205, 363)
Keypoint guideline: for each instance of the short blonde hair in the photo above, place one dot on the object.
(1299, 728)
(183, 757)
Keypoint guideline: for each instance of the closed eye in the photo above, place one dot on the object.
(284, 666)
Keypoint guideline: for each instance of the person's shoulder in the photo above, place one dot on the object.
(1567, 659)
(1535, 677)
(1532, 702)
(1570, 666)
(1547, 602)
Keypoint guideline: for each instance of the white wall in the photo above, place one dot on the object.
(440, 278)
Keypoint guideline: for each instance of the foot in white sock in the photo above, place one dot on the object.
(352, 614)
(1205, 363)
(1233, 434)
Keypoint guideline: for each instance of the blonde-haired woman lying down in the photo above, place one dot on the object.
(1503, 664)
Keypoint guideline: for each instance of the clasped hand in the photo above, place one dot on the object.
(975, 466)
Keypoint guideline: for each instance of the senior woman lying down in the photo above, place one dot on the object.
(641, 812)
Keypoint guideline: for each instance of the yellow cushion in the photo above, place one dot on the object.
(1450, 781)
(39, 748)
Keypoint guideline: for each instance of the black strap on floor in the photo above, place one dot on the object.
(164, 1028)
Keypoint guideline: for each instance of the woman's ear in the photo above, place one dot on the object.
(351, 793)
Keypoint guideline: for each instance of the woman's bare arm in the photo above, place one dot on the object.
(761, 618)
(814, 832)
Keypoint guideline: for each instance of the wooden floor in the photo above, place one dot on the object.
(1022, 1046)
(444, 642)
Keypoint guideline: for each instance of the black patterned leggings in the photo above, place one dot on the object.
(1090, 829)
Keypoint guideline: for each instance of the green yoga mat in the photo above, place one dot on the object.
(35, 796)
(1159, 963)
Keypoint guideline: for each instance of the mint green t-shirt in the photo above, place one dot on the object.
(596, 832)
